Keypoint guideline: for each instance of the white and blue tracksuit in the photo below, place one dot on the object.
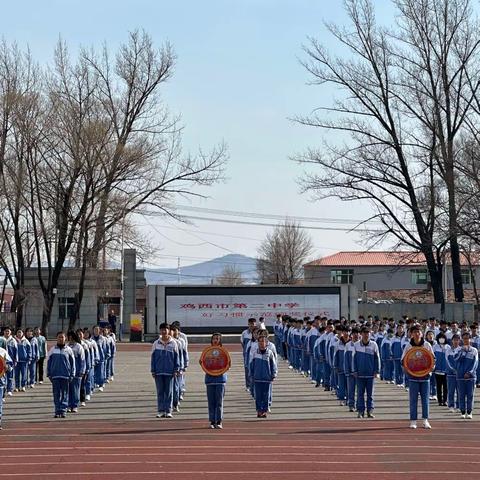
(254, 349)
(76, 382)
(312, 337)
(60, 370)
(351, 379)
(215, 394)
(397, 351)
(11, 347)
(263, 370)
(99, 373)
(378, 339)
(339, 365)
(365, 366)
(177, 380)
(3, 379)
(387, 358)
(452, 388)
(165, 363)
(331, 346)
(244, 339)
(418, 385)
(475, 342)
(34, 356)
(439, 350)
(24, 355)
(110, 358)
(466, 363)
(327, 370)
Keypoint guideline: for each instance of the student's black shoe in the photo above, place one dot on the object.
(63, 415)
(351, 409)
(317, 385)
(360, 415)
(370, 415)
(259, 415)
(56, 416)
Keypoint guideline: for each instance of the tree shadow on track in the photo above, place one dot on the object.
(146, 430)
(334, 431)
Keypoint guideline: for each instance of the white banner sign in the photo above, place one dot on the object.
(233, 310)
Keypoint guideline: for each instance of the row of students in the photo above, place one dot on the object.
(168, 364)
(78, 365)
(348, 365)
(28, 352)
(260, 364)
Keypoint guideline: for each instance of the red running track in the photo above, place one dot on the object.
(280, 450)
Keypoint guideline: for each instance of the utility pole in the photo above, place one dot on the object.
(122, 274)
(178, 271)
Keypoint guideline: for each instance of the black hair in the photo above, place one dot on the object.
(216, 334)
(164, 325)
(72, 335)
(61, 332)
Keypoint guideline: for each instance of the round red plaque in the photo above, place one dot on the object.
(418, 362)
(215, 360)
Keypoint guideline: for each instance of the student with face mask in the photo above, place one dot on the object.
(439, 350)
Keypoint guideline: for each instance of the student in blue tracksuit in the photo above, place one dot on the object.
(312, 337)
(24, 353)
(60, 371)
(263, 371)
(466, 363)
(452, 389)
(339, 364)
(365, 367)
(418, 386)
(164, 365)
(99, 374)
(324, 342)
(245, 337)
(3, 378)
(430, 338)
(351, 380)
(76, 346)
(88, 366)
(397, 350)
(475, 342)
(11, 347)
(184, 359)
(215, 390)
(34, 356)
(440, 350)
(386, 356)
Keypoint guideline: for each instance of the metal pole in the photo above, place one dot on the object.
(120, 332)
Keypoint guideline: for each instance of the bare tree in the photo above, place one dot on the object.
(407, 97)
(282, 254)
(231, 275)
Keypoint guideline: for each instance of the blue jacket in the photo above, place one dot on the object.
(450, 360)
(165, 358)
(397, 348)
(35, 352)
(312, 337)
(349, 348)
(245, 338)
(12, 349)
(60, 363)
(79, 355)
(339, 356)
(466, 362)
(386, 349)
(101, 342)
(366, 359)
(24, 350)
(440, 358)
(263, 367)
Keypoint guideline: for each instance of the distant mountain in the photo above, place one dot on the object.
(204, 273)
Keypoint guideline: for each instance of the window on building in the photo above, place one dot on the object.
(467, 275)
(420, 276)
(341, 276)
(66, 307)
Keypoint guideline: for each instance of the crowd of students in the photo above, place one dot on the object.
(78, 365)
(345, 357)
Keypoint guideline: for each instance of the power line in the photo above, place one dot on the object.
(263, 224)
(236, 213)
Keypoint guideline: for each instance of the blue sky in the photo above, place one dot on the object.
(237, 79)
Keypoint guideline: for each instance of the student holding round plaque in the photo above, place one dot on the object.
(215, 362)
(418, 362)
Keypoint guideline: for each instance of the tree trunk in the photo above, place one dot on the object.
(48, 300)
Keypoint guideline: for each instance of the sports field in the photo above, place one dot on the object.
(308, 435)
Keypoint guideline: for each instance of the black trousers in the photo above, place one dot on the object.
(39, 370)
(441, 388)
